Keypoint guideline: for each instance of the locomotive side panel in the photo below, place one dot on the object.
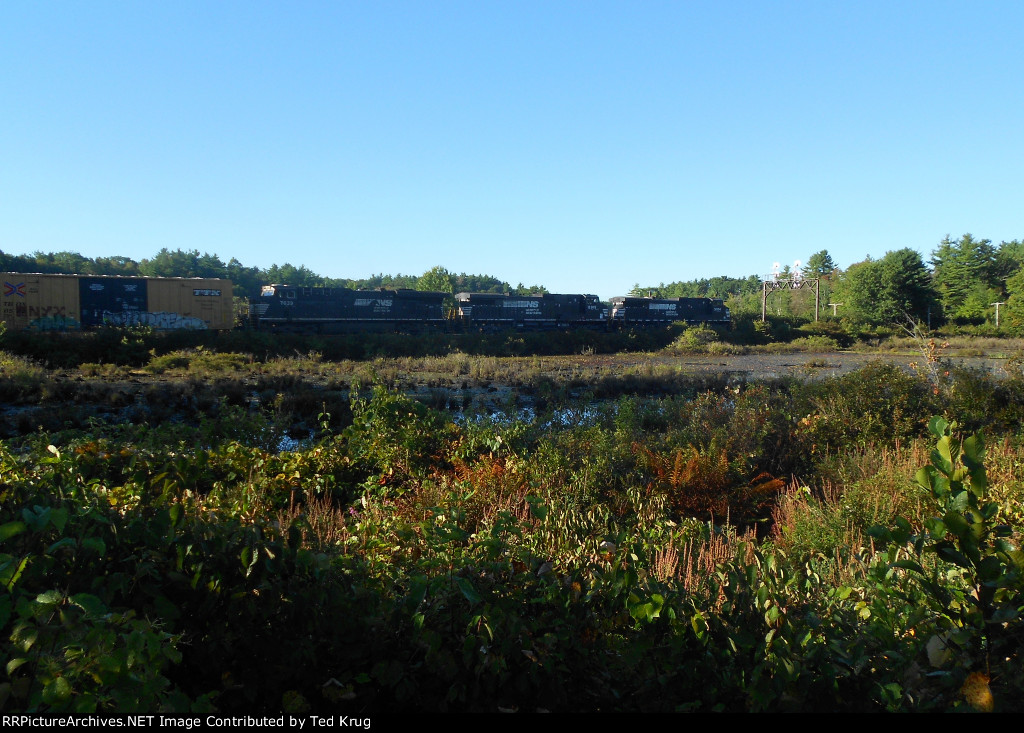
(516, 310)
(289, 307)
(578, 310)
(415, 305)
(341, 310)
(494, 311)
(637, 311)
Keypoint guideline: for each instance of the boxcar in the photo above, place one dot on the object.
(46, 302)
(493, 311)
(636, 311)
(341, 310)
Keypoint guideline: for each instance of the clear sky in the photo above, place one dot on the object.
(585, 146)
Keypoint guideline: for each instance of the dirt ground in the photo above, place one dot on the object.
(770, 366)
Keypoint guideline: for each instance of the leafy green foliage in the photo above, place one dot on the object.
(975, 583)
(575, 561)
(879, 402)
(882, 291)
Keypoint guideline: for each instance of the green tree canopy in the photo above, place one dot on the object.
(437, 279)
(1013, 312)
(1009, 259)
(464, 283)
(888, 290)
(179, 263)
(960, 268)
(288, 274)
(819, 264)
(721, 286)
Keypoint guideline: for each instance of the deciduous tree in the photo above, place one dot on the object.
(436, 279)
(882, 291)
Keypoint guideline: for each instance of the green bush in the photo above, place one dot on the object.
(969, 565)
(198, 362)
(879, 402)
(831, 329)
(695, 339)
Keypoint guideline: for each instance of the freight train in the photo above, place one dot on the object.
(340, 310)
(79, 302)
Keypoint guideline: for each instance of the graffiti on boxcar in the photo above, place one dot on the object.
(55, 323)
(161, 320)
(47, 317)
(47, 311)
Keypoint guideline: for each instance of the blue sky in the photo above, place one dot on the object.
(585, 146)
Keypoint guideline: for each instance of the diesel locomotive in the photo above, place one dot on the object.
(636, 311)
(546, 312)
(342, 310)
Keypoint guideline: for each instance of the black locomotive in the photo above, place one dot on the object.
(634, 311)
(549, 311)
(341, 310)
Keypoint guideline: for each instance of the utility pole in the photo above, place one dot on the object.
(997, 312)
(834, 308)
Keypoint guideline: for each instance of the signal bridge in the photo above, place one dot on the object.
(793, 281)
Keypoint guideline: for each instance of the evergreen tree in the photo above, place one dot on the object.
(819, 264)
(1009, 259)
(961, 268)
(1013, 312)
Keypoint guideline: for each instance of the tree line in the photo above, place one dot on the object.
(247, 281)
(959, 285)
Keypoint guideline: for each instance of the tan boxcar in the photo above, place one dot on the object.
(43, 302)
(183, 303)
(73, 302)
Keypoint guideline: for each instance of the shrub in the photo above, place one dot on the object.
(199, 362)
(971, 570)
(829, 328)
(879, 402)
(695, 339)
(816, 343)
